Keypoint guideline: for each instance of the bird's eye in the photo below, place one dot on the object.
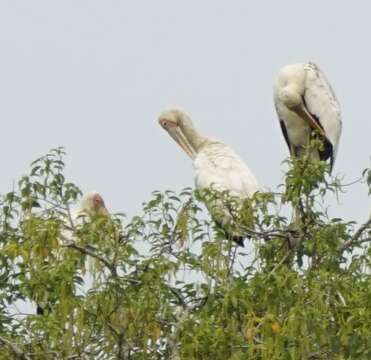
(97, 200)
(164, 124)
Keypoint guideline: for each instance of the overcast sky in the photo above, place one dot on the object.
(94, 75)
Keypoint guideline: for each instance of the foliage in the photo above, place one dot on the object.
(168, 284)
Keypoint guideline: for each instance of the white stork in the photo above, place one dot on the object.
(305, 102)
(215, 164)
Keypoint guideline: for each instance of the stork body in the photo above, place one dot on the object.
(215, 164)
(305, 102)
(218, 165)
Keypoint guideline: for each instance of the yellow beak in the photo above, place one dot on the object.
(182, 141)
(302, 111)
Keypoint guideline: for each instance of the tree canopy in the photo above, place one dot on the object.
(168, 284)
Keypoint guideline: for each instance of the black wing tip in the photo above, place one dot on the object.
(332, 160)
(285, 134)
(327, 153)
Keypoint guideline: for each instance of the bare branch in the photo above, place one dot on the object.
(183, 316)
(360, 231)
(355, 240)
(267, 235)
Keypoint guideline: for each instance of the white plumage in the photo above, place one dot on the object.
(91, 205)
(305, 102)
(215, 164)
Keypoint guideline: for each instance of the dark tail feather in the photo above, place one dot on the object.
(42, 310)
(238, 240)
(39, 310)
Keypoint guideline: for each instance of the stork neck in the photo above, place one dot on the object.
(195, 139)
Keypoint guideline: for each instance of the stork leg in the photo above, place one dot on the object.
(295, 228)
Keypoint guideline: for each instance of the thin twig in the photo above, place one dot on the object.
(232, 261)
(179, 296)
(348, 184)
(280, 263)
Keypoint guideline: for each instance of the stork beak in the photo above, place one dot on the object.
(302, 111)
(181, 140)
(103, 211)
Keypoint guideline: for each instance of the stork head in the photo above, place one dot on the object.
(92, 203)
(179, 126)
(290, 96)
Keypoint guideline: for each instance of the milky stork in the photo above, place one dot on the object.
(90, 206)
(305, 102)
(215, 165)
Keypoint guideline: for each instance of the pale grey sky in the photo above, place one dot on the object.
(94, 75)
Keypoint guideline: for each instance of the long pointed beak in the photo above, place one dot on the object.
(302, 111)
(103, 210)
(182, 141)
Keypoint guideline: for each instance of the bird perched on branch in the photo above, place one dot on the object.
(215, 165)
(305, 103)
(90, 206)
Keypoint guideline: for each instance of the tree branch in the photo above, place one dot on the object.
(92, 253)
(360, 231)
(183, 316)
(355, 240)
(267, 235)
(179, 296)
